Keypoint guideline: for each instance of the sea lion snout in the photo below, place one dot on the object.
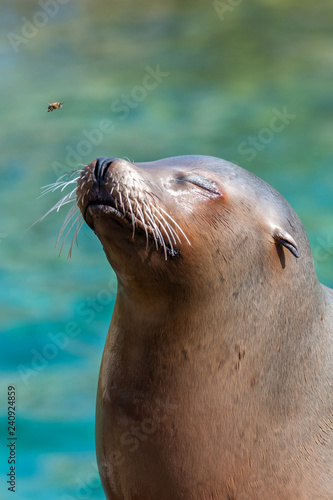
(100, 181)
(101, 167)
(119, 192)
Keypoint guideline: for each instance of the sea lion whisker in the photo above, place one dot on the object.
(152, 224)
(160, 238)
(66, 199)
(168, 248)
(148, 212)
(151, 192)
(79, 224)
(172, 231)
(120, 199)
(142, 220)
(79, 198)
(71, 213)
(73, 210)
(158, 233)
(66, 235)
(83, 196)
(122, 205)
(177, 225)
(78, 228)
(166, 232)
(129, 202)
(50, 188)
(55, 185)
(165, 251)
(68, 183)
(131, 210)
(63, 229)
(72, 172)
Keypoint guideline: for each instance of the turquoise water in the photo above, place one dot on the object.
(223, 75)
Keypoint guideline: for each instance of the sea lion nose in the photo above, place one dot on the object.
(101, 166)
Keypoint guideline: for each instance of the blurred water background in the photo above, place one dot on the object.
(219, 74)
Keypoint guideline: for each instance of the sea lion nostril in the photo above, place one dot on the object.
(101, 167)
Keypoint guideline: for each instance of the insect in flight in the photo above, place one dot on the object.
(54, 105)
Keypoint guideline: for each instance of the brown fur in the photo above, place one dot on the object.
(216, 374)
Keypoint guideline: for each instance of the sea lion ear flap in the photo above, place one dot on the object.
(281, 237)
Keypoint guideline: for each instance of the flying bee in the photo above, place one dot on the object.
(54, 105)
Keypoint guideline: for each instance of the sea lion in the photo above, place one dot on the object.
(215, 381)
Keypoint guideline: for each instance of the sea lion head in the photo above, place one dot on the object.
(161, 222)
